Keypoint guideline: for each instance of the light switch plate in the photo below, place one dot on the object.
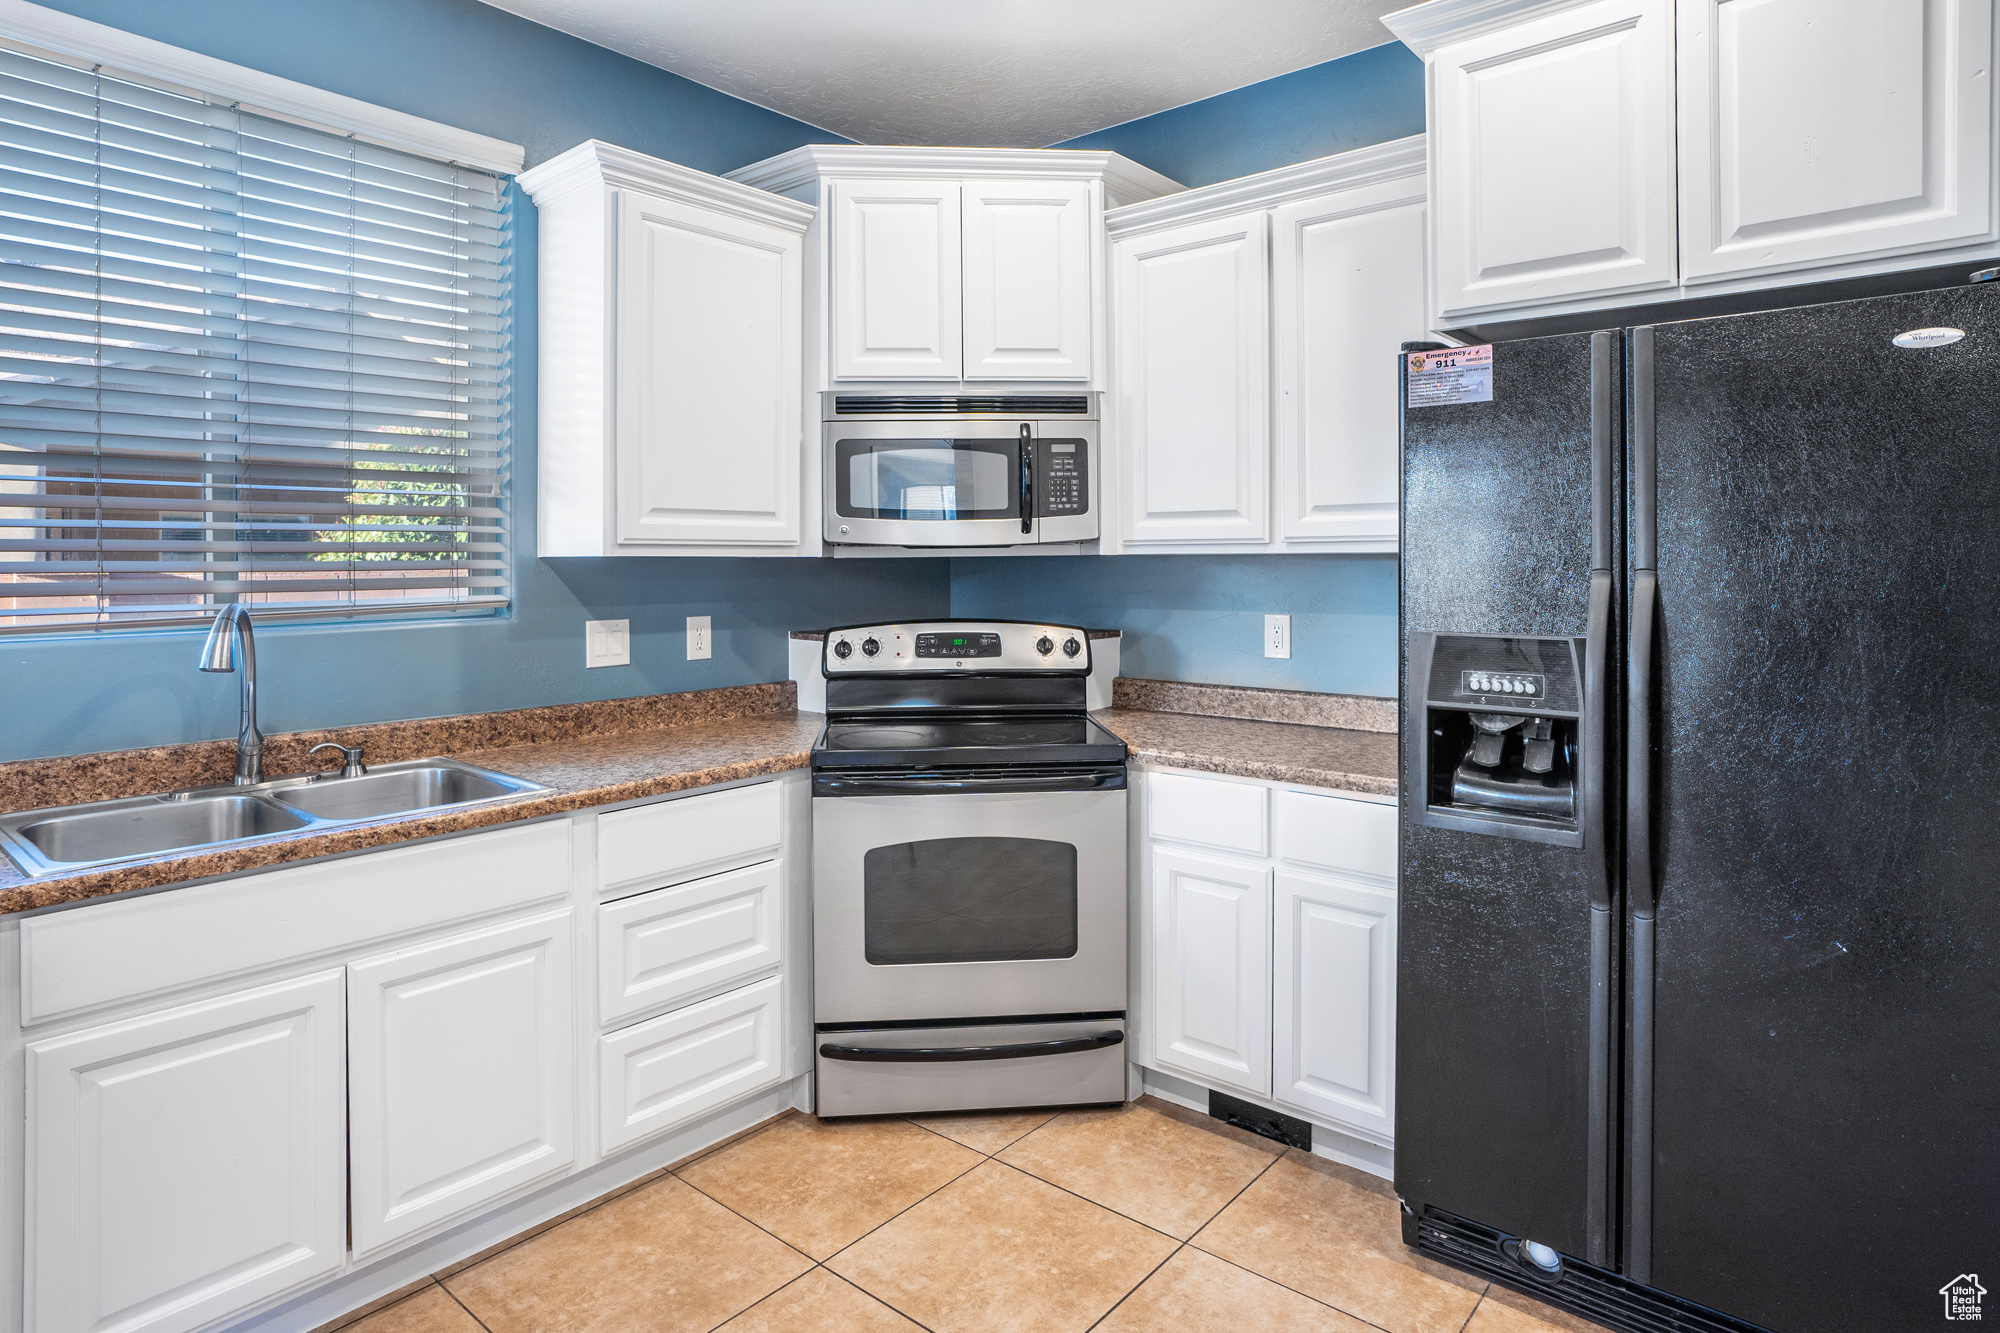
(700, 645)
(607, 643)
(1277, 636)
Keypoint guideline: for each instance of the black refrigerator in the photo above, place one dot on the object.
(1698, 988)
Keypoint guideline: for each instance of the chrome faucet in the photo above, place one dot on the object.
(218, 655)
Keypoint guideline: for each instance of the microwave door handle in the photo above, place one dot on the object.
(1027, 481)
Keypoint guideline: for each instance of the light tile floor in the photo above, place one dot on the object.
(1143, 1219)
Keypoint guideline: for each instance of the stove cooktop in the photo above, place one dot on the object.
(964, 742)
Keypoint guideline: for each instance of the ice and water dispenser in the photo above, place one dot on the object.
(1500, 729)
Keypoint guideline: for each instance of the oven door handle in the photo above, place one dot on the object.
(849, 784)
(941, 1054)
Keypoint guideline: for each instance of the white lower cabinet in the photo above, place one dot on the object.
(667, 1070)
(1212, 954)
(1334, 1037)
(459, 1077)
(667, 946)
(1265, 977)
(186, 1163)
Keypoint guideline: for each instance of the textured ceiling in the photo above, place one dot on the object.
(974, 73)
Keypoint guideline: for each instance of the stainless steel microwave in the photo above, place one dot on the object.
(960, 472)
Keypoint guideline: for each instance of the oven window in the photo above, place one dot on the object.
(927, 480)
(969, 900)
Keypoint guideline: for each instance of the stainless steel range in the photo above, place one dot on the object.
(968, 872)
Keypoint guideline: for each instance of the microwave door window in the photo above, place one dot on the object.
(935, 481)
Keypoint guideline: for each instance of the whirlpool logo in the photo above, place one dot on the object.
(1961, 1297)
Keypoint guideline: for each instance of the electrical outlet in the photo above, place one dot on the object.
(700, 645)
(1277, 636)
(607, 643)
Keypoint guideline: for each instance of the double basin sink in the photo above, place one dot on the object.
(70, 838)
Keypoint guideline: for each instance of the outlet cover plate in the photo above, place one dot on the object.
(1277, 636)
(701, 644)
(607, 643)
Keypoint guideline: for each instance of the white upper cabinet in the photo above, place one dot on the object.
(895, 303)
(1554, 167)
(973, 266)
(188, 1163)
(1028, 280)
(1600, 154)
(459, 1074)
(672, 325)
(1817, 130)
(1193, 381)
(1347, 290)
(709, 323)
(1255, 328)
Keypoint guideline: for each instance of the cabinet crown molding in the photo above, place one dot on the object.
(1396, 159)
(594, 164)
(1426, 27)
(1125, 181)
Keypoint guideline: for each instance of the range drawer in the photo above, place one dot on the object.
(652, 845)
(664, 947)
(1208, 812)
(666, 1071)
(1333, 833)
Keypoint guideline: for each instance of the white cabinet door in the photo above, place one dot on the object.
(668, 1070)
(895, 281)
(662, 948)
(1212, 969)
(1814, 131)
(710, 319)
(459, 1073)
(1027, 280)
(1193, 388)
(1554, 158)
(1334, 1048)
(1347, 278)
(186, 1164)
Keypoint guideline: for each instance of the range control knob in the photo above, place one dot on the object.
(1071, 647)
(871, 646)
(843, 649)
(1045, 645)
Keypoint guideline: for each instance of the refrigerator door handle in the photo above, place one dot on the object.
(1641, 890)
(1592, 808)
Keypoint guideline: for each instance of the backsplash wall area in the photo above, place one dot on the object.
(474, 66)
(1201, 618)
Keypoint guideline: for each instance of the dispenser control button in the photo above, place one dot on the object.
(1045, 645)
(1496, 682)
(1071, 647)
(871, 646)
(843, 650)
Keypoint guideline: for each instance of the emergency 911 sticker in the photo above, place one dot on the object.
(1451, 375)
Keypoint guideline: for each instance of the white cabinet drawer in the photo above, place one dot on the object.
(666, 1071)
(1334, 833)
(1209, 812)
(660, 948)
(652, 845)
(107, 952)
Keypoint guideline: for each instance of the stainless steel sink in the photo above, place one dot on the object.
(66, 839)
(394, 789)
(145, 825)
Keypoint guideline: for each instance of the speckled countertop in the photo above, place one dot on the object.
(1278, 735)
(587, 754)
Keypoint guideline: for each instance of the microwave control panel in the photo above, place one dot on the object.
(1062, 477)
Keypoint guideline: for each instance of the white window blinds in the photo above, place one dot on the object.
(241, 359)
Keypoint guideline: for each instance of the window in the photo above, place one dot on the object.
(243, 358)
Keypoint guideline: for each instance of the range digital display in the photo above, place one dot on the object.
(958, 645)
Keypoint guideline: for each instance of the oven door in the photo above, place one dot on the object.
(981, 901)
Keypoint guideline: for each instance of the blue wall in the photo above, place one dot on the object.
(516, 80)
(1366, 98)
(1201, 617)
